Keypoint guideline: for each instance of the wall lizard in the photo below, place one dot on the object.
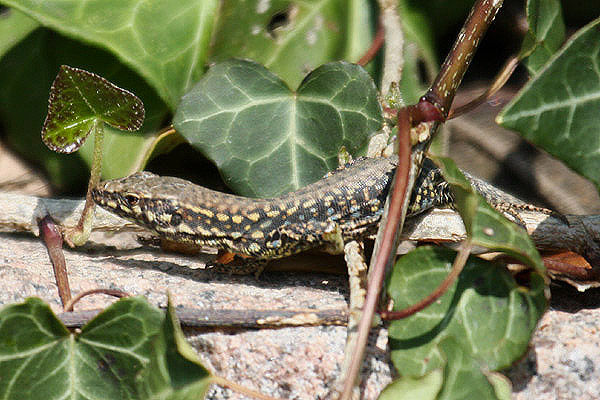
(346, 204)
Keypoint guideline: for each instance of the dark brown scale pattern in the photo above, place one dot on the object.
(345, 204)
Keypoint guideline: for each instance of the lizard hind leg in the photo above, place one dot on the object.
(324, 235)
(431, 190)
(333, 240)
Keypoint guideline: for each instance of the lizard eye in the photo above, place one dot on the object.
(176, 218)
(132, 199)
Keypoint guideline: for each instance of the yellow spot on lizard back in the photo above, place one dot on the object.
(253, 216)
(272, 213)
(206, 212)
(222, 217)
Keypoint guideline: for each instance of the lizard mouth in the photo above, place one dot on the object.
(106, 199)
(97, 196)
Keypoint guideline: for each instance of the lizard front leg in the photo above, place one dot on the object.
(225, 264)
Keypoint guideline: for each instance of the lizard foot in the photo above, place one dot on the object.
(224, 264)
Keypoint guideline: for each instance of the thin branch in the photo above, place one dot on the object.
(357, 277)
(385, 252)
(442, 91)
(20, 213)
(240, 389)
(499, 81)
(233, 319)
(457, 267)
(53, 240)
(111, 292)
(376, 45)
(394, 44)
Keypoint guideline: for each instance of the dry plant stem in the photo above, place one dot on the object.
(440, 95)
(394, 44)
(357, 274)
(457, 267)
(110, 292)
(79, 234)
(376, 45)
(573, 271)
(385, 253)
(442, 225)
(234, 319)
(444, 87)
(499, 81)
(240, 389)
(168, 130)
(20, 213)
(52, 237)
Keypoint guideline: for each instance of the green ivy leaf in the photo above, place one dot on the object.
(41, 359)
(30, 67)
(250, 124)
(486, 226)
(14, 26)
(165, 41)
(558, 109)
(291, 38)
(174, 372)
(501, 384)
(464, 377)
(488, 315)
(419, 49)
(426, 387)
(78, 101)
(360, 26)
(545, 35)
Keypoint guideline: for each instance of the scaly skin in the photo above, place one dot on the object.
(345, 205)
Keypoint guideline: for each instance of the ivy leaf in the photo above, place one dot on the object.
(41, 359)
(174, 370)
(545, 35)
(291, 37)
(485, 225)
(14, 26)
(250, 124)
(419, 49)
(487, 316)
(426, 387)
(558, 110)
(165, 41)
(465, 378)
(79, 100)
(29, 68)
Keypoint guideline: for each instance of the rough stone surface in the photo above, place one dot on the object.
(564, 361)
(301, 362)
(295, 363)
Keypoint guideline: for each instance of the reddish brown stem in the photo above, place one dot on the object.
(376, 45)
(499, 81)
(423, 111)
(442, 91)
(53, 239)
(385, 254)
(110, 292)
(457, 267)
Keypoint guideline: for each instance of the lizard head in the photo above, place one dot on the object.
(141, 198)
